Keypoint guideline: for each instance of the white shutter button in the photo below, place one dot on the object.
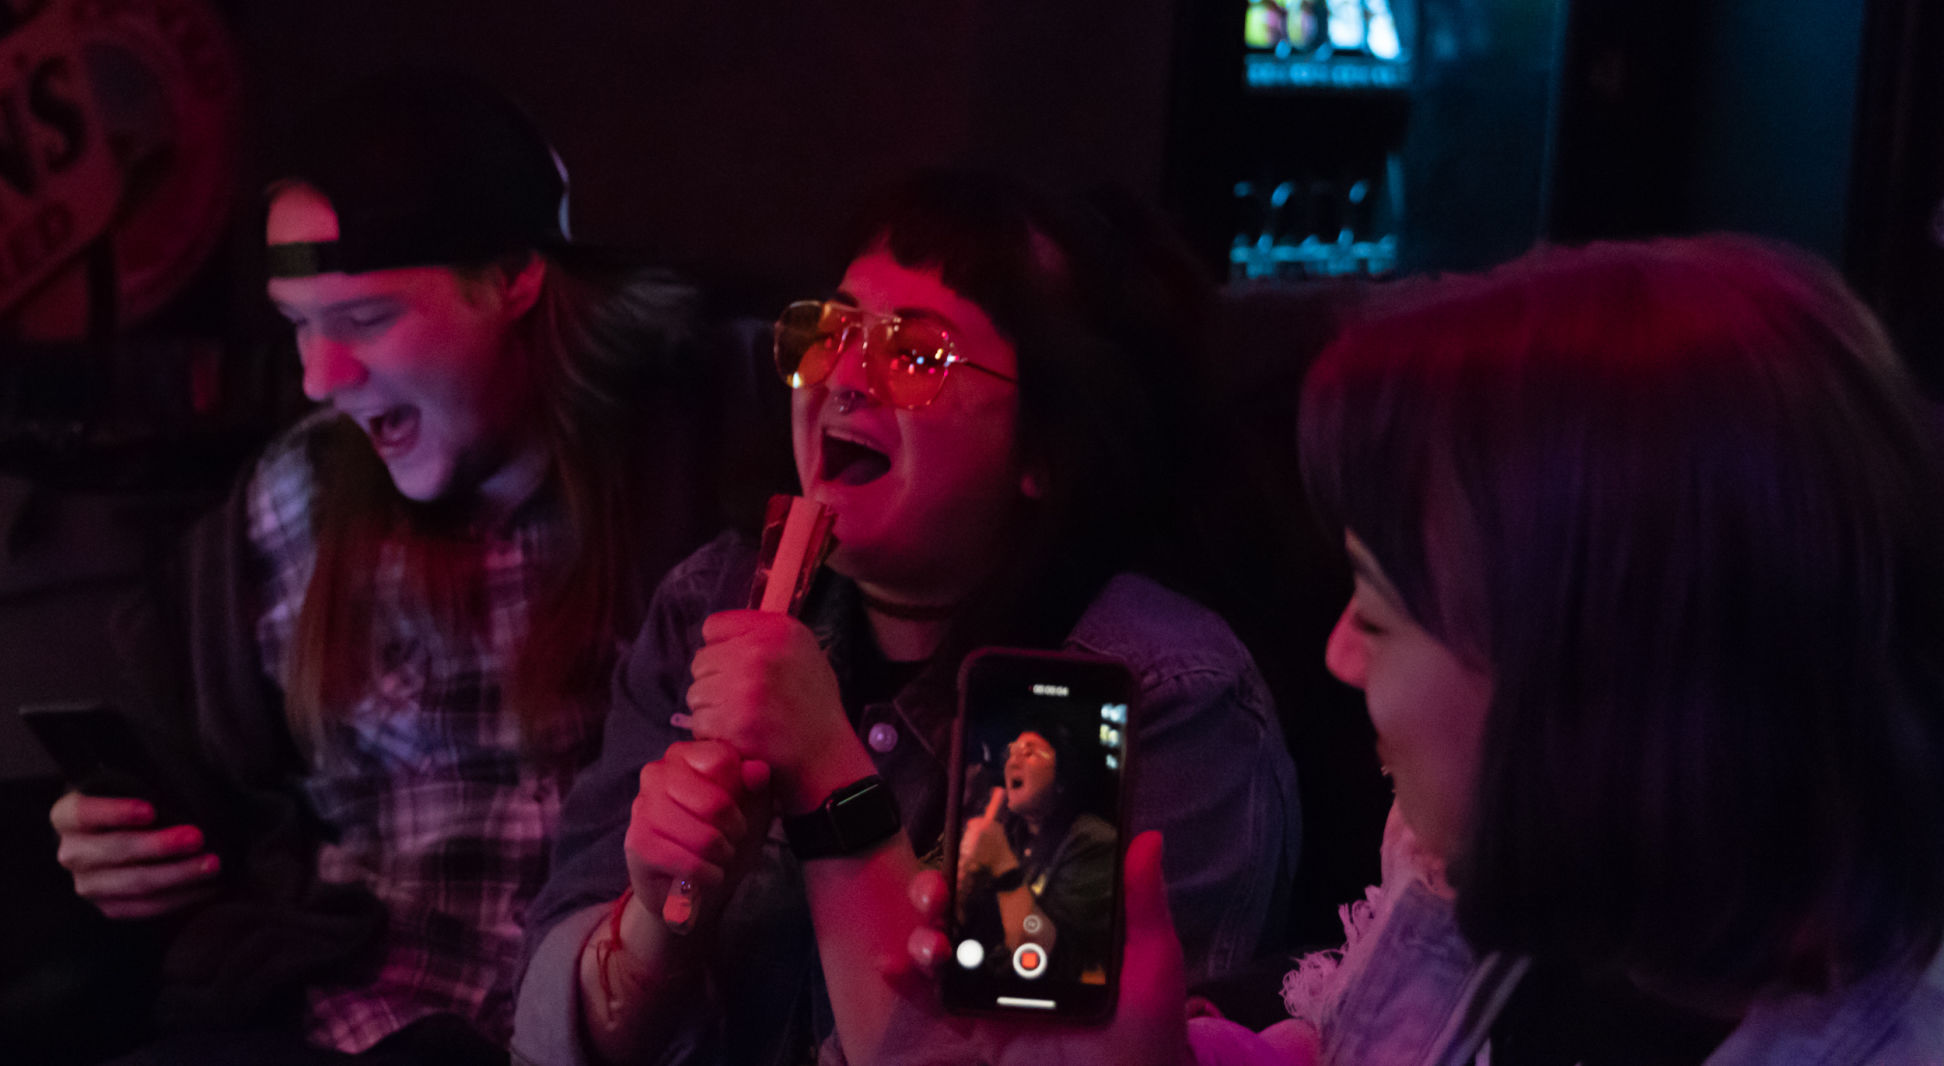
(882, 737)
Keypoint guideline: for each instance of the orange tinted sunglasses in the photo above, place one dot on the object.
(906, 358)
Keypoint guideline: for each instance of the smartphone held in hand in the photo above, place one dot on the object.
(101, 753)
(1034, 838)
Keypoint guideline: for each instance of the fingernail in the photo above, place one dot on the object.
(211, 864)
(187, 837)
(919, 944)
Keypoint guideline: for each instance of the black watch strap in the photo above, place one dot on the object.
(851, 819)
(1009, 880)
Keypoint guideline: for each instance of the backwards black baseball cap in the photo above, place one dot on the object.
(424, 168)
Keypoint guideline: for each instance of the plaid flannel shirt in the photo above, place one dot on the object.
(426, 793)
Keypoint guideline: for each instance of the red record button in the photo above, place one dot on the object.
(1029, 961)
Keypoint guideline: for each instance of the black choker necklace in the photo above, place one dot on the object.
(910, 612)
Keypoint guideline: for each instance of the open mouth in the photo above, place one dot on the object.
(848, 462)
(1014, 784)
(394, 428)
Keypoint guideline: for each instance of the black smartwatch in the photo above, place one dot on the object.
(851, 819)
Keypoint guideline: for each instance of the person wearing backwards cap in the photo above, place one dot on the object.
(401, 630)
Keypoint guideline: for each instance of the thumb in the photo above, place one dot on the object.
(1152, 982)
(712, 759)
(725, 625)
(1147, 892)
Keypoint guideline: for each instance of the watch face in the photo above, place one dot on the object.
(848, 795)
(853, 818)
(863, 815)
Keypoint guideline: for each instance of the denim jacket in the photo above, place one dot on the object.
(1423, 998)
(1214, 774)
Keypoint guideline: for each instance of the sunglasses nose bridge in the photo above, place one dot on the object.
(854, 337)
(873, 374)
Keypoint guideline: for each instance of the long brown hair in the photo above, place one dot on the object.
(599, 350)
(1696, 514)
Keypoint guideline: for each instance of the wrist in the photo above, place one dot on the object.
(641, 938)
(814, 784)
(633, 971)
(636, 946)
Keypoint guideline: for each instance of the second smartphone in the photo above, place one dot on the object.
(1034, 834)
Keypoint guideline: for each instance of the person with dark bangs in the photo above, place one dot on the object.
(1649, 617)
(982, 404)
(401, 629)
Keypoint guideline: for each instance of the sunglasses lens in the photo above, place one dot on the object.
(809, 337)
(908, 368)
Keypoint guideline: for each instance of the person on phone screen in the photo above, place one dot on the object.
(400, 630)
(1034, 866)
(981, 401)
(1649, 618)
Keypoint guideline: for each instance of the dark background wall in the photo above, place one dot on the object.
(1895, 250)
(1776, 118)
(736, 137)
(1677, 116)
(1478, 150)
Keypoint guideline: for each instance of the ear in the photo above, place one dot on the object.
(1032, 481)
(523, 285)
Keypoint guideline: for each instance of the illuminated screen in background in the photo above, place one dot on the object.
(1327, 44)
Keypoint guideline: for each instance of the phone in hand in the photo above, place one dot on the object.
(1034, 834)
(101, 753)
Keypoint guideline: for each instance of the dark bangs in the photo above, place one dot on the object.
(978, 232)
(1381, 418)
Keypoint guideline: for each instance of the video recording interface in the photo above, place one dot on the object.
(1327, 44)
(1034, 915)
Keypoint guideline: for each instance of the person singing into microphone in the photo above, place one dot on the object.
(979, 402)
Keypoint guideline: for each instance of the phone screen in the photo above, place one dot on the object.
(1034, 847)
